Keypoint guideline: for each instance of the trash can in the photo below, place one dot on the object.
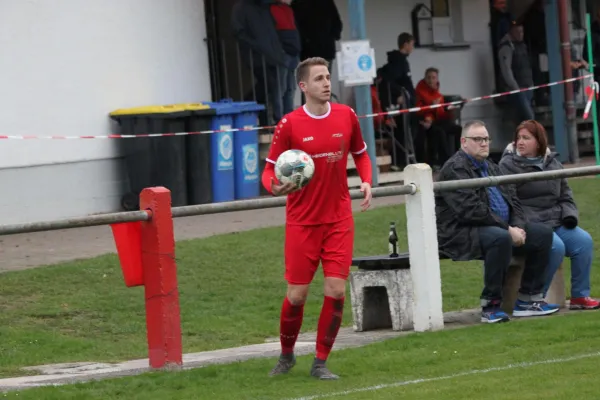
(222, 151)
(246, 154)
(153, 161)
(198, 155)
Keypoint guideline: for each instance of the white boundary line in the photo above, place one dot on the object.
(446, 377)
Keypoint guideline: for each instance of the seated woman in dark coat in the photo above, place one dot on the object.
(551, 202)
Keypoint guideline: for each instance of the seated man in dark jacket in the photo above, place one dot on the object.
(489, 224)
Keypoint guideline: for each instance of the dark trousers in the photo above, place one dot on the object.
(435, 145)
(498, 249)
(267, 80)
(522, 106)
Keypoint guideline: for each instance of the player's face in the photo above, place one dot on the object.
(318, 85)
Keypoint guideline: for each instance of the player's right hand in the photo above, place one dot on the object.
(282, 189)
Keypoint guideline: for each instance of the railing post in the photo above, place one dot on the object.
(163, 319)
(423, 250)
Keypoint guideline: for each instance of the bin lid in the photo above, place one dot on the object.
(225, 106)
(249, 106)
(192, 106)
(148, 110)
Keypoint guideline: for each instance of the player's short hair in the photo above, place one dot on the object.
(470, 125)
(303, 69)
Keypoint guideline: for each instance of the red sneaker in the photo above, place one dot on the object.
(584, 303)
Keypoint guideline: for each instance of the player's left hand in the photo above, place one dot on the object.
(366, 189)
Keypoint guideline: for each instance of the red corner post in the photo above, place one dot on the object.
(163, 319)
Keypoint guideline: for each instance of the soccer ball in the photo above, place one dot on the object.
(294, 166)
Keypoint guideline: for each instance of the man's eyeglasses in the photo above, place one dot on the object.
(479, 140)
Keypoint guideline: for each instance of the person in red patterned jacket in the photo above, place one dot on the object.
(438, 133)
(285, 25)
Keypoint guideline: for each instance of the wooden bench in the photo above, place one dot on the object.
(381, 291)
(556, 292)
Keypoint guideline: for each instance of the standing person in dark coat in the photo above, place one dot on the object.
(261, 49)
(320, 26)
(397, 87)
(517, 73)
(489, 224)
(397, 70)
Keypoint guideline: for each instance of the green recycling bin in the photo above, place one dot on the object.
(153, 161)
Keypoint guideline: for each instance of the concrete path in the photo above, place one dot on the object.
(61, 374)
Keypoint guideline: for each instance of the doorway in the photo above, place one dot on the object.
(230, 78)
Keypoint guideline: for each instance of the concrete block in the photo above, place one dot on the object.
(382, 299)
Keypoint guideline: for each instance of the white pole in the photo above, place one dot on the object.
(423, 250)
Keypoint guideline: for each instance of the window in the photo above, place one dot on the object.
(447, 23)
(439, 24)
(439, 8)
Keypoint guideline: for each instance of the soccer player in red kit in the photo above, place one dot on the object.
(319, 221)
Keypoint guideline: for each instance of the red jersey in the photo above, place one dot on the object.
(328, 139)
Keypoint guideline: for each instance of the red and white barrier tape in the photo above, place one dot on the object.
(452, 104)
(474, 99)
(590, 90)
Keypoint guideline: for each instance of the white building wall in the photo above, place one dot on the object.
(64, 65)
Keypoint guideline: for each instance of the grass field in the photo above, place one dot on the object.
(547, 358)
(231, 288)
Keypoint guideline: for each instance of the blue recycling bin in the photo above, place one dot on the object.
(246, 154)
(222, 153)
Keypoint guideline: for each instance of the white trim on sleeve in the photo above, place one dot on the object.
(361, 151)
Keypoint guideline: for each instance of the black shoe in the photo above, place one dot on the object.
(284, 365)
(320, 371)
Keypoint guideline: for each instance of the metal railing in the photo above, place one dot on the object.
(185, 211)
(517, 178)
(274, 202)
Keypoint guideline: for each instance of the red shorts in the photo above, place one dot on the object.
(306, 245)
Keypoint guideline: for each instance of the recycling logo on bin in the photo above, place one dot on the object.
(225, 149)
(250, 152)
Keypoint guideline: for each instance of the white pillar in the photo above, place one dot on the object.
(423, 249)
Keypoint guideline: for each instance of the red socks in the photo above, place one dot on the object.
(289, 325)
(329, 325)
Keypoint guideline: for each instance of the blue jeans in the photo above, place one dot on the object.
(287, 84)
(578, 245)
(522, 104)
